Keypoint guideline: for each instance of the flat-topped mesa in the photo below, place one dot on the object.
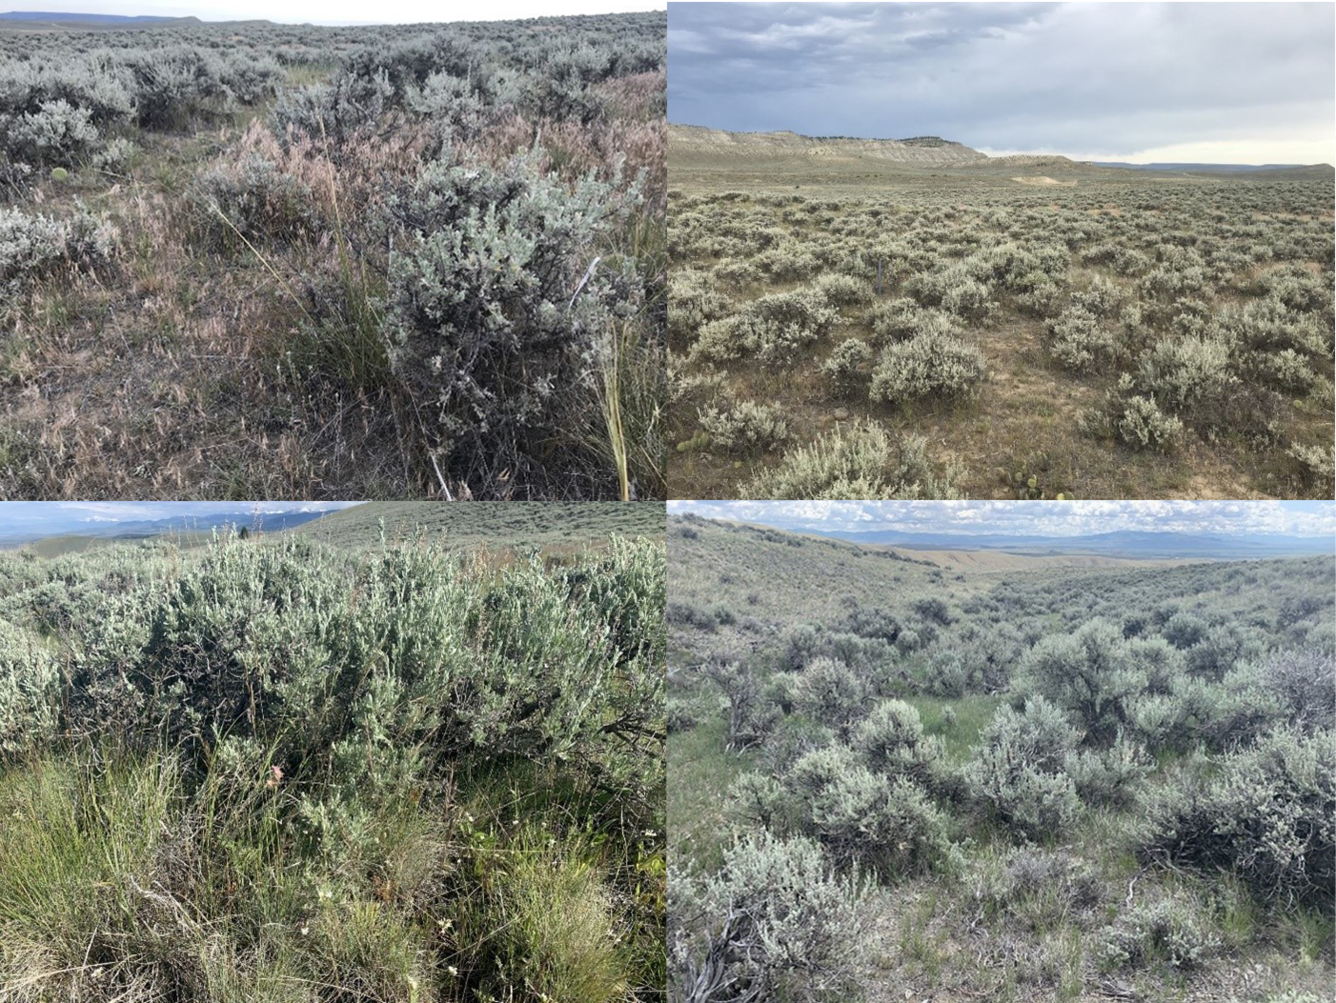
(698, 146)
(1035, 160)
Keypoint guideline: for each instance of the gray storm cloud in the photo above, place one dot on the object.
(1084, 78)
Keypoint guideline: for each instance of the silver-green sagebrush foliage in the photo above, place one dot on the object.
(1062, 779)
(33, 245)
(774, 919)
(1200, 313)
(263, 764)
(499, 301)
(862, 462)
(455, 232)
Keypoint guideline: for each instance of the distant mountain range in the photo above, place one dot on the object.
(1127, 544)
(1197, 168)
(60, 17)
(18, 535)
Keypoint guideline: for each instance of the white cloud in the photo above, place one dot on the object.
(1077, 518)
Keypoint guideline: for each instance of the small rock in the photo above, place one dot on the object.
(841, 414)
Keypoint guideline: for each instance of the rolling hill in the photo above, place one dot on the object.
(699, 149)
(48, 20)
(18, 533)
(1289, 172)
(497, 524)
(1123, 544)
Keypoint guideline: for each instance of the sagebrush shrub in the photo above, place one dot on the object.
(746, 427)
(751, 716)
(28, 246)
(924, 366)
(318, 110)
(860, 462)
(1188, 373)
(892, 741)
(1079, 341)
(693, 301)
(28, 697)
(1317, 465)
(887, 823)
(776, 914)
(1092, 674)
(1286, 370)
(434, 660)
(254, 199)
(451, 103)
(1169, 930)
(843, 290)
(830, 692)
(1039, 888)
(1268, 814)
(1304, 683)
(1037, 294)
(57, 133)
(31, 246)
(757, 797)
(953, 289)
(1111, 776)
(901, 319)
(771, 329)
(497, 305)
(1018, 771)
(174, 84)
(844, 365)
(1270, 325)
(1169, 281)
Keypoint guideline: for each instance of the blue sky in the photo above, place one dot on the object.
(1145, 82)
(67, 517)
(343, 11)
(1031, 518)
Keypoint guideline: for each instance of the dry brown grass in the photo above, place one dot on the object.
(172, 376)
(192, 370)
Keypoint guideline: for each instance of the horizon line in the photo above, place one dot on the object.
(998, 156)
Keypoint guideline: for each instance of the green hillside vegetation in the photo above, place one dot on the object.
(1059, 784)
(493, 524)
(275, 770)
(855, 321)
(735, 584)
(60, 546)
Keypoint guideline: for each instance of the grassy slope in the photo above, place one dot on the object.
(60, 546)
(772, 580)
(493, 524)
(919, 950)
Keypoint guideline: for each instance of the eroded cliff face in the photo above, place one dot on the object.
(696, 147)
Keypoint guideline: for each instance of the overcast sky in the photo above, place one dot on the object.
(1030, 518)
(1197, 82)
(343, 11)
